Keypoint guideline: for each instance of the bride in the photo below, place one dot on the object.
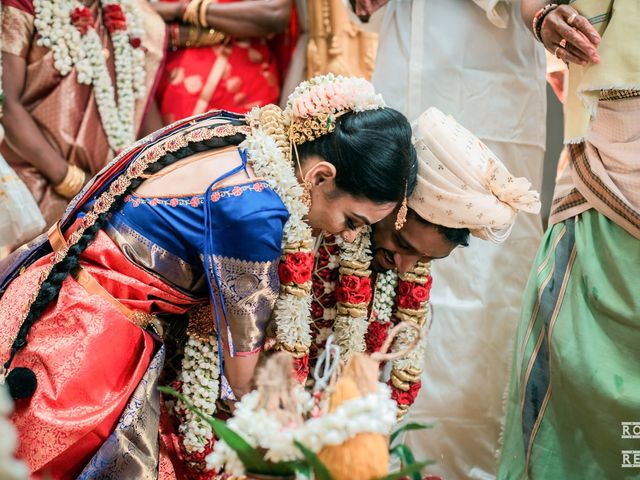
(210, 219)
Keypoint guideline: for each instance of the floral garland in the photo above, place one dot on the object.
(410, 303)
(373, 413)
(199, 381)
(67, 28)
(353, 294)
(396, 298)
(267, 146)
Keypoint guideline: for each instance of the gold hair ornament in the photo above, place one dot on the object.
(401, 217)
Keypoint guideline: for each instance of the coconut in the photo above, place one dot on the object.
(365, 456)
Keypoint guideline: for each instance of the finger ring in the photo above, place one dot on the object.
(563, 43)
(572, 18)
(555, 52)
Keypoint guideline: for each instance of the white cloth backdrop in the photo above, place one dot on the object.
(446, 53)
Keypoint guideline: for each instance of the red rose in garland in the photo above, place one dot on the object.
(114, 18)
(82, 19)
(296, 267)
(404, 288)
(421, 292)
(411, 295)
(353, 289)
(301, 368)
(408, 397)
(376, 335)
(285, 273)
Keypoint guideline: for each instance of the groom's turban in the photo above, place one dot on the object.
(462, 184)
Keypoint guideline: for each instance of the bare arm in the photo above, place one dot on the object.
(22, 132)
(240, 372)
(255, 18)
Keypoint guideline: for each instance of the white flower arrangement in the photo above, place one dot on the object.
(373, 413)
(384, 296)
(291, 312)
(200, 376)
(71, 49)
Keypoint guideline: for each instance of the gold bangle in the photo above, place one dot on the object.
(203, 13)
(191, 12)
(73, 182)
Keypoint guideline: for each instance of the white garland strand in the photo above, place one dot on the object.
(291, 313)
(200, 376)
(85, 52)
(373, 413)
(384, 295)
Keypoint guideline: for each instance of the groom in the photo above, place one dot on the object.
(463, 190)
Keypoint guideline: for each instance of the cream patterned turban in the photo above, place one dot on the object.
(462, 184)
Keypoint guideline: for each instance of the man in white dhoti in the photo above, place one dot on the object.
(476, 61)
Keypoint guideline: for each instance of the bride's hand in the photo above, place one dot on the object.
(570, 36)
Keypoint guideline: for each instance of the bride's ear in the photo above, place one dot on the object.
(321, 172)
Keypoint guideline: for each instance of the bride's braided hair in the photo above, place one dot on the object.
(22, 381)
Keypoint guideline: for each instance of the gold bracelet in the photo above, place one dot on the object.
(193, 36)
(203, 13)
(191, 12)
(73, 182)
(214, 37)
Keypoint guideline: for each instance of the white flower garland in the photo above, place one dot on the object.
(383, 296)
(85, 52)
(291, 312)
(373, 413)
(200, 376)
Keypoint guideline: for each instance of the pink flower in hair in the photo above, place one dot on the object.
(331, 94)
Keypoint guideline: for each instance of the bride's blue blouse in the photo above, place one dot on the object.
(224, 244)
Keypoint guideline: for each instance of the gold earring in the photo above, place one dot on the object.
(401, 218)
(306, 193)
(306, 184)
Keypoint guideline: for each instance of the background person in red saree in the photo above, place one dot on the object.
(73, 100)
(228, 54)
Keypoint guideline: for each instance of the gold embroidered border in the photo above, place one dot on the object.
(122, 182)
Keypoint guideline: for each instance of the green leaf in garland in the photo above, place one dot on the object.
(318, 467)
(408, 471)
(408, 427)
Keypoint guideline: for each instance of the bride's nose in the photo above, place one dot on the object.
(350, 235)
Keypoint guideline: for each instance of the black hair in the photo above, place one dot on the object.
(372, 152)
(456, 236)
(21, 380)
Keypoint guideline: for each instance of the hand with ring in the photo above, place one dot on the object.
(570, 36)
